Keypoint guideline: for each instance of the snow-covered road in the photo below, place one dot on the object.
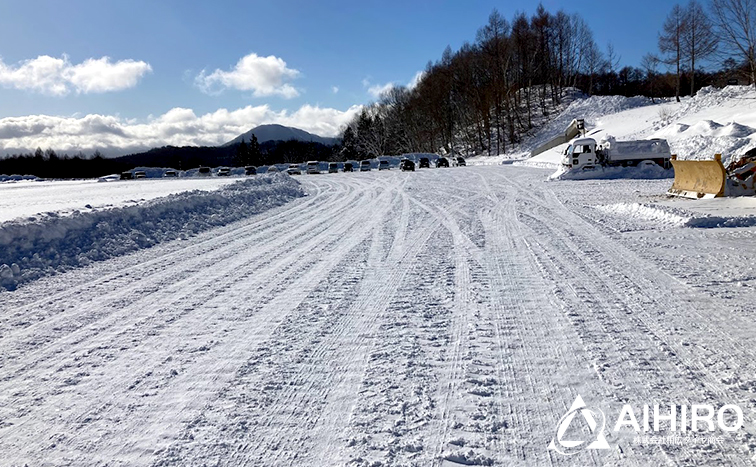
(442, 317)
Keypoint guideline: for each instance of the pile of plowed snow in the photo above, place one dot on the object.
(647, 172)
(51, 242)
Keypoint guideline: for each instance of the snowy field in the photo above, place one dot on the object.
(29, 198)
(444, 317)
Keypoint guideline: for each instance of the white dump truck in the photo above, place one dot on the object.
(585, 153)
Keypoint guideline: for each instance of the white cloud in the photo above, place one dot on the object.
(99, 75)
(379, 90)
(416, 80)
(335, 89)
(113, 135)
(58, 77)
(376, 90)
(264, 76)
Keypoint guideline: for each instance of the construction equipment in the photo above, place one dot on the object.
(710, 179)
(576, 127)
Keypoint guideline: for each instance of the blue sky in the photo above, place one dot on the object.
(80, 75)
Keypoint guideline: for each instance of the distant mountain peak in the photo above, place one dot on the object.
(275, 132)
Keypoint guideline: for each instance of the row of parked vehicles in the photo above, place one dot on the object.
(312, 167)
(405, 164)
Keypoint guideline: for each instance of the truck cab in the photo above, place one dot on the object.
(580, 154)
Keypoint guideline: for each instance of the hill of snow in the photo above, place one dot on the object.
(714, 121)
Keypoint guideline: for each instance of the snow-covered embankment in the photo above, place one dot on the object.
(50, 243)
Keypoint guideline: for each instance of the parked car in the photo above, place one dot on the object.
(170, 174)
(442, 162)
(127, 176)
(140, 174)
(365, 166)
(250, 170)
(461, 162)
(424, 163)
(294, 169)
(204, 171)
(224, 171)
(333, 167)
(406, 165)
(313, 167)
(383, 165)
(348, 167)
(109, 178)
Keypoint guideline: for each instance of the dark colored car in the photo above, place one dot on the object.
(127, 176)
(348, 167)
(461, 162)
(424, 163)
(442, 162)
(383, 165)
(205, 171)
(406, 165)
(250, 170)
(333, 168)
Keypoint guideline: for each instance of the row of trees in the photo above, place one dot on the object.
(49, 164)
(486, 96)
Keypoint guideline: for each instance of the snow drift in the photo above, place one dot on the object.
(51, 242)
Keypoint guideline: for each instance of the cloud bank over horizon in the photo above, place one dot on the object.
(113, 135)
(59, 77)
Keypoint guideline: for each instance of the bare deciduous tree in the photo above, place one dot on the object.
(699, 41)
(736, 22)
(671, 42)
(650, 64)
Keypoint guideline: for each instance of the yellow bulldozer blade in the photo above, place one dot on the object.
(699, 179)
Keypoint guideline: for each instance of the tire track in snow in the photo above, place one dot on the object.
(235, 275)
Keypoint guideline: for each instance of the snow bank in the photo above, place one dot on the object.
(647, 172)
(648, 212)
(18, 178)
(672, 217)
(714, 121)
(50, 243)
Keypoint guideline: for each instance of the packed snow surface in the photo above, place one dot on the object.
(444, 317)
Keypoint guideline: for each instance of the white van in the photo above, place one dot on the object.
(313, 167)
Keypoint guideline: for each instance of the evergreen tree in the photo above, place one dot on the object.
(242, 154)
(255, 156)
(349, 143)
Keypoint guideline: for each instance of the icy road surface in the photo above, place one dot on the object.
(443, 317)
